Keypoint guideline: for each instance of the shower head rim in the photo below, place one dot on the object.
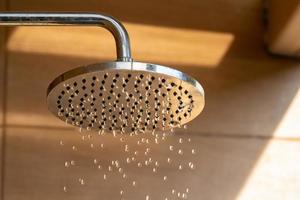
(124, 65)
(86, 72)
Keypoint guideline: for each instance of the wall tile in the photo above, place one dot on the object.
(236, 168)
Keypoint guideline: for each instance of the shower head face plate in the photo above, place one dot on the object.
(125, 97)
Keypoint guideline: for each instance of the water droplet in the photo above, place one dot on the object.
(193, 151)
(61, 143)
(165, 178)
(191, 165)
(187, 190)
(180, 167)
(126, 148)
(180, 140)
(95, 161)
(67, 164)
(185, 126)
(171, 148)
(180, 152)
(104, 176)
(72, 162)
(65, 189)
(121, 192)
(154, 169)
(99, 167)
(169, 160)
(81, 181)
(74, 148)
(133, 183)
(147, 197)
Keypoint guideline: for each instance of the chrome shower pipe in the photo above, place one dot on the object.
(73, 19)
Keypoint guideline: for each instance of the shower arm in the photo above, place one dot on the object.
(71, 19)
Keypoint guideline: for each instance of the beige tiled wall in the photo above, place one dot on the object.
(247, 137)
(226, 168)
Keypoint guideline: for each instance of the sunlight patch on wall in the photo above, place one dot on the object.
(155, 44)
(276, 173)
(289, 124)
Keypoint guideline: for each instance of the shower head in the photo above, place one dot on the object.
(126, 97)
(121, 96)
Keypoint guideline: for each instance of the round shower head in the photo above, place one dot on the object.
(126, 97)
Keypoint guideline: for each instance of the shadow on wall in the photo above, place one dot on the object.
(247, 93)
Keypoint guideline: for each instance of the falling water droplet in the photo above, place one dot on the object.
(133, 183)
(72, 162)
(171, 148)
(191, 165)
(147, 197)
(169, 160)
(193, 151)
(165, 178)
(126, 148)
(67, 164)
(81, 181)
(180, 152)
(65, 189)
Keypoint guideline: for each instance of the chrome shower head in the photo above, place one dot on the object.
(125, 97)
(122, 96)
